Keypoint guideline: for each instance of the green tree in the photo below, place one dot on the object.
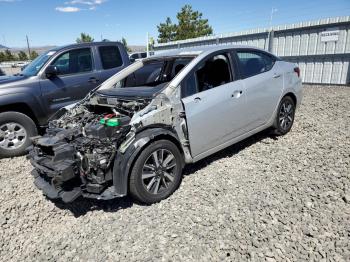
(8, 55)
(84, 38)
(167, 31)
(2, 57)
(190, 25)
(33, 55)
(125, 44)
(22, 56)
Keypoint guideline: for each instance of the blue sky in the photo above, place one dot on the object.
(58, 22)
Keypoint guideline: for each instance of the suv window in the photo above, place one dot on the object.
(134, 56)
(74, 61)
(110, 57)
(253, 62)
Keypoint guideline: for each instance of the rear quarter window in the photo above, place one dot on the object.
(110, 57)
(254, 62)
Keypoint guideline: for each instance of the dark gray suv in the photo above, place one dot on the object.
(55, 79)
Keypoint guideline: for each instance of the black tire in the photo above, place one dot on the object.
(22, 121)
(138, 184)
(284, 119)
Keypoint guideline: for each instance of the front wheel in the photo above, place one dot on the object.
(156, 173)
(285, 116)
(15, 132)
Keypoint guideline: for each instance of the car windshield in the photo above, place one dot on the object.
(157, 72)
(34, 67)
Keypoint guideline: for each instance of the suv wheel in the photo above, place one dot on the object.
(157, 172)
(285, 116)
(15, 132)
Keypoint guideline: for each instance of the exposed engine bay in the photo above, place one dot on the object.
(80, 147)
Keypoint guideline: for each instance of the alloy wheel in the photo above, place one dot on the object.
(12, 135)
(286, 115)
(158, 171)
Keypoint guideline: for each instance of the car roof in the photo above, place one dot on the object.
(85, 45)
(196, 51)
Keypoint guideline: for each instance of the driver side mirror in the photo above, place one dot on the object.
(132, 60)
(51, 71)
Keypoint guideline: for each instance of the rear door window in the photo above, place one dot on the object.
(254, 62)
(74, 61)
(110, 57)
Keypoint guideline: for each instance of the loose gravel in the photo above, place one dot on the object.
(264, 199)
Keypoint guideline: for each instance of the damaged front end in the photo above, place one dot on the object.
(75, 157)
(88, 150)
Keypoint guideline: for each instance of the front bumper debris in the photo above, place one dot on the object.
(53, 193)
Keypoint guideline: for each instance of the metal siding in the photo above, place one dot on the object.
(319, 62)
(312, 43)
(295, 45)
(302, 66)
(317, 76)
(327, 72)
(282, 44)
(345, 73)
(336, 72)
(340, 45)
(309, 72)
(347, 46)
(303, 44)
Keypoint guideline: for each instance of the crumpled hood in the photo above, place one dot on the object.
(11, 79)
(142, 92)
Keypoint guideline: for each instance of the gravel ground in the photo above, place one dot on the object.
(265, 199)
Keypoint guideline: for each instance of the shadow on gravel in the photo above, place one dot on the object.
(229, 151)
(82, 206)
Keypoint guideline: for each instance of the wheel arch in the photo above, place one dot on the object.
(124, 162)
(293, 96)
(20, 108)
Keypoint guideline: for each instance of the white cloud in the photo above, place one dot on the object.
(68, 9)
(85, 2)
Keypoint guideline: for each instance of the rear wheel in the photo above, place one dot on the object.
(156, 173)
(15, 132)
(285, 116)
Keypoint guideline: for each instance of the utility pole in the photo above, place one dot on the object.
(270, 31)
(147, 46)
(28, 47)
(273, 10)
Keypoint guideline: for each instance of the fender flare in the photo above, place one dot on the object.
(24, 98)
(123, 161)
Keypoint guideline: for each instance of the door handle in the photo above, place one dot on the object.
(93, 80)
(237, 94)
(197, 99)
(277, 75)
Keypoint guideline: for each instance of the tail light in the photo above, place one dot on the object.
(297, 71)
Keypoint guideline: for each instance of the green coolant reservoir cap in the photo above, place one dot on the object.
(102, 121)
(113, 122)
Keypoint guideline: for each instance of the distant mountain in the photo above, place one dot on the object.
(3, 47)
